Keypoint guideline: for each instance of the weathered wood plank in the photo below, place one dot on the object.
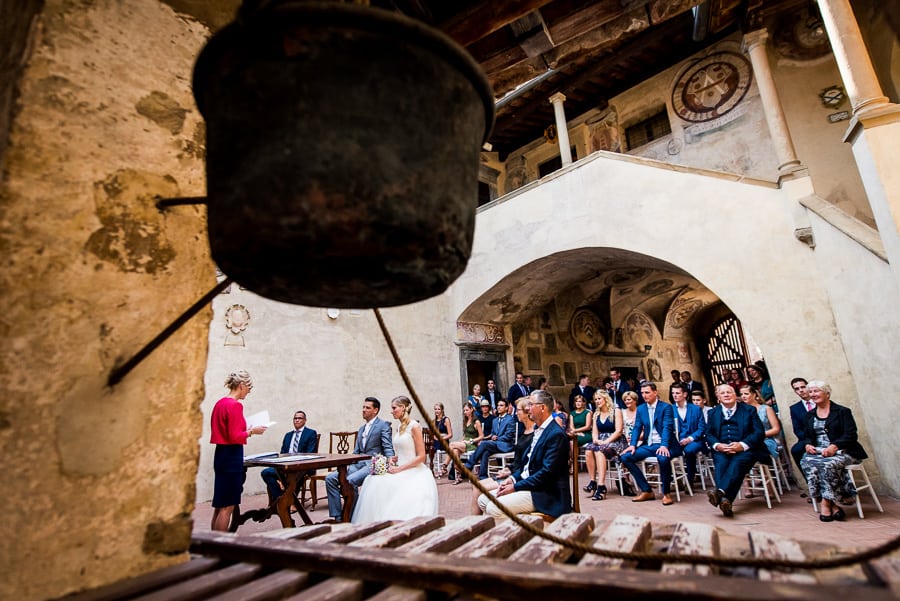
(627, 533)
(268, 588)
(484, 18)
(493, 577)
(399, 593)
(301, 533)
(400, 533)
(501, 541)
(454, 534)
(691, 538)
(139, 585)
(571, 526)
(207, 584)
(333, 589)
(884, 571)
(345, 533)
(773, 546)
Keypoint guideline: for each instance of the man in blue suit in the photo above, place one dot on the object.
(503, 439)
(517, 390)
(690, 428)
(617, 387)
(299, 440)
(373, 438)
(735, 434)
(654, 427)
(798, 418)
(542, 484)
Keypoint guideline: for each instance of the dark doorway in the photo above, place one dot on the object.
(479, 372)
(628, 374)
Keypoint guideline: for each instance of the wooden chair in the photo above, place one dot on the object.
(339, 443)
(305, 488)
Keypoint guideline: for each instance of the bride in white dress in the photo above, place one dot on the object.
(408, 489)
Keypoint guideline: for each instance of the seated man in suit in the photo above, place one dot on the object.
(373, 438)
(542, 484)
(798, 418)
(299, 440)
(502, 440)
(690, 428)
(654, 426)
(735, 434)
(583, 388)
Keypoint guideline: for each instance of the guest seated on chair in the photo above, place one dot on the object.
(654, 431)
(472, 437)
(607, 436)
(771, 425)
(560, 415)
(690, 428)
(580, 421)
(523, 445)
(831, 445)
(502, 439)
(542, 485)
(735, 435)
(299, 440)
(445, 429)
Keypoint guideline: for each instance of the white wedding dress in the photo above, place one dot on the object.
(401, 496)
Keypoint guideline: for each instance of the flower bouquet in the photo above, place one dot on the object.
(379, 465)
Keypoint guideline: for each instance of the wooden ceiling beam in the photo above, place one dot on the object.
(482, 19)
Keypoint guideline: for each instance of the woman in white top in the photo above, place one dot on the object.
(407, 490)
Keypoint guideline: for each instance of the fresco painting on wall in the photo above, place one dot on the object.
(639, 329)
(550, 347)
(534, 358)
(654, 371)
(556, 375)
(571, 376)
(684, 353)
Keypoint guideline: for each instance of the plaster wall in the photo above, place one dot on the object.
(300, 358)
(102, 477)
(818, 142)
(863, 295)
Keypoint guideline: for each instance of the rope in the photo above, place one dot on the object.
(767, 563)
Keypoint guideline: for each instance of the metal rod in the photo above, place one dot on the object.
(164, 203)
(120, 372)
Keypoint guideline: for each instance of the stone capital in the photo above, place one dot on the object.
(754, 39)
(558, 97)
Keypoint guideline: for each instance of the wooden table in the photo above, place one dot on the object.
(291, 473)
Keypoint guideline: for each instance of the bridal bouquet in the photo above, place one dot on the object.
(379, 465)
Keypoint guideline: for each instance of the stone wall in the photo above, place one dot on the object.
(100, 480)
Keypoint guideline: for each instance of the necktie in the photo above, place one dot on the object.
(522, 388)
(728, 413)
(295, 443)
(809, 406)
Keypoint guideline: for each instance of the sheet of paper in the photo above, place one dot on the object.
(292, 458)
(260, 455)
(259, 419)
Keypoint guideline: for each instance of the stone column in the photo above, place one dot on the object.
(562, 131)
(755, 47)
(874, 132)
(851, 55)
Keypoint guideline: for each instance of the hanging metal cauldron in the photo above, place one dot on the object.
(342, 154)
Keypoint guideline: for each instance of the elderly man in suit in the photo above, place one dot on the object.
(299, 440)
(654, 426)
(798, 418)
(504, 432)
(542, 483)
(373, 438)
(735, 434)
(690, 428)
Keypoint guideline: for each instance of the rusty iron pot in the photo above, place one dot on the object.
(342, 154)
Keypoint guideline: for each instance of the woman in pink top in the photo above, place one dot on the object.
(230, 434)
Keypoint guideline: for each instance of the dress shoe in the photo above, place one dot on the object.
(826, 518)
(644, 496)
(591, 486)
(715, 497)
(725, 507)
(667, 500)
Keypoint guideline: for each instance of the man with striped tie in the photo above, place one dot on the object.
(299, 440)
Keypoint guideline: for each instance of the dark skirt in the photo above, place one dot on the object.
(228, 465)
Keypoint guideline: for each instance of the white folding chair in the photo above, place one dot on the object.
(760, 479)
(679, 473)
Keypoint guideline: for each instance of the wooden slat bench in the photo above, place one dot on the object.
(430, 558)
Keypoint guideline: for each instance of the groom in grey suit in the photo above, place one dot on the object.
(373, 438)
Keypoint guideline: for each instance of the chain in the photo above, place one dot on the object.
(767, 563)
